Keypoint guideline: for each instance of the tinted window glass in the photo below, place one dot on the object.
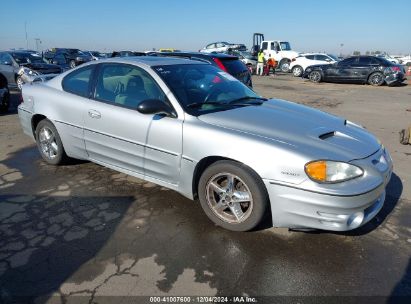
(365, 61)
(78, 81)
(264, 46)
(234, 66)
(348, 61)
(126, 85)
(311, 57)
(321, 57)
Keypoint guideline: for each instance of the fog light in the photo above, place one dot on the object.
(355, 220)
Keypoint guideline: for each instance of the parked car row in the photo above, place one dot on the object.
(360, 69)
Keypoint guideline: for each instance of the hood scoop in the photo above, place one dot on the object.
(326, 135)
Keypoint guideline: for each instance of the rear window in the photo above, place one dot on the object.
(78, 81)
(233, 66)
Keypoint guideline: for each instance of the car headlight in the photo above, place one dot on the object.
(328, 171)
(27, 71)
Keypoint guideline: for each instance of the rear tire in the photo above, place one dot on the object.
(376, 79)
(233, 196)
(315, 76)
(297, 71)
(4, 100)
(49, 143)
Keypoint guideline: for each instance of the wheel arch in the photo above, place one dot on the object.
(35, 121)
(207, 161)
(3, 81)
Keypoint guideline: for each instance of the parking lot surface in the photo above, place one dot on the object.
(84, 233)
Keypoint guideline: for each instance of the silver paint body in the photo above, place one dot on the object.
(275, 139)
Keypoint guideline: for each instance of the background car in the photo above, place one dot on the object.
(221, 47)
(64, 56)
(227, 63)
(15, 65)
(358, 69)
(301, 62)
(126, 54)
(246, 57)
(95, 55)
(390, 58)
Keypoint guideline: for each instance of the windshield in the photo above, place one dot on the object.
(285, 46)
(203, 88)
(24, 58)
(74, 51)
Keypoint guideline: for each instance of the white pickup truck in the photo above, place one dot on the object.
(280, 51)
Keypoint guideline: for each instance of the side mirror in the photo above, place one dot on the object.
(155, 106)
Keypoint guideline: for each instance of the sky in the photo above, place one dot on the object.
(309, 25)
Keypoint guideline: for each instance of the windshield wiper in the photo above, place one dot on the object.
(237, 100)
(200, 104)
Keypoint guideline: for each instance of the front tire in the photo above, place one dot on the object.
(376, 79)
(4, 100)
(285, 65)
(49, 143)
(297, 71)
(315, 76)
(233, 196)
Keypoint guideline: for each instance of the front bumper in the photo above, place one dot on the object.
(293, 207)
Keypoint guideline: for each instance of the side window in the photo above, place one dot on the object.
(321, 57)
(310, 57)
(126, 86)
(211, 46)
(78, 82)
(276, 47)
(272, 47)
(365, 61)
(219, 44)
(348, 61)
(264, 46)
(2, 59)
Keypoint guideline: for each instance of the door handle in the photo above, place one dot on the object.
(94, 114)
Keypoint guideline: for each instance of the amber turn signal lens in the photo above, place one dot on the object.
(317, 170)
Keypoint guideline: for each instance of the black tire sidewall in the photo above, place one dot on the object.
(61, 156)
(5, 102)
(255, 185)
(309, 76)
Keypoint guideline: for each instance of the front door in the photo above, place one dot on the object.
(118, 135)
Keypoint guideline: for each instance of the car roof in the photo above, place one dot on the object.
(198, 54)
(152, 60)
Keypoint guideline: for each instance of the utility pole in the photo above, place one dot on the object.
(38, 42)
(27, 40)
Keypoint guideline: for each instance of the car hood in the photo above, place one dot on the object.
(302, 128)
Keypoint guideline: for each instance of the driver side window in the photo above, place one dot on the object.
(126, 86)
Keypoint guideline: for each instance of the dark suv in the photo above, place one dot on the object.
(66, 57)
(229, 64)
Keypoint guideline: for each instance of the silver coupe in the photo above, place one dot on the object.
(193, 128)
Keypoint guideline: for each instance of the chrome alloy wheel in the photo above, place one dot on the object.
(315, 76)
(297, 71)
(19, 82)
(229, 198)
(377, 79)
(48, 143)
